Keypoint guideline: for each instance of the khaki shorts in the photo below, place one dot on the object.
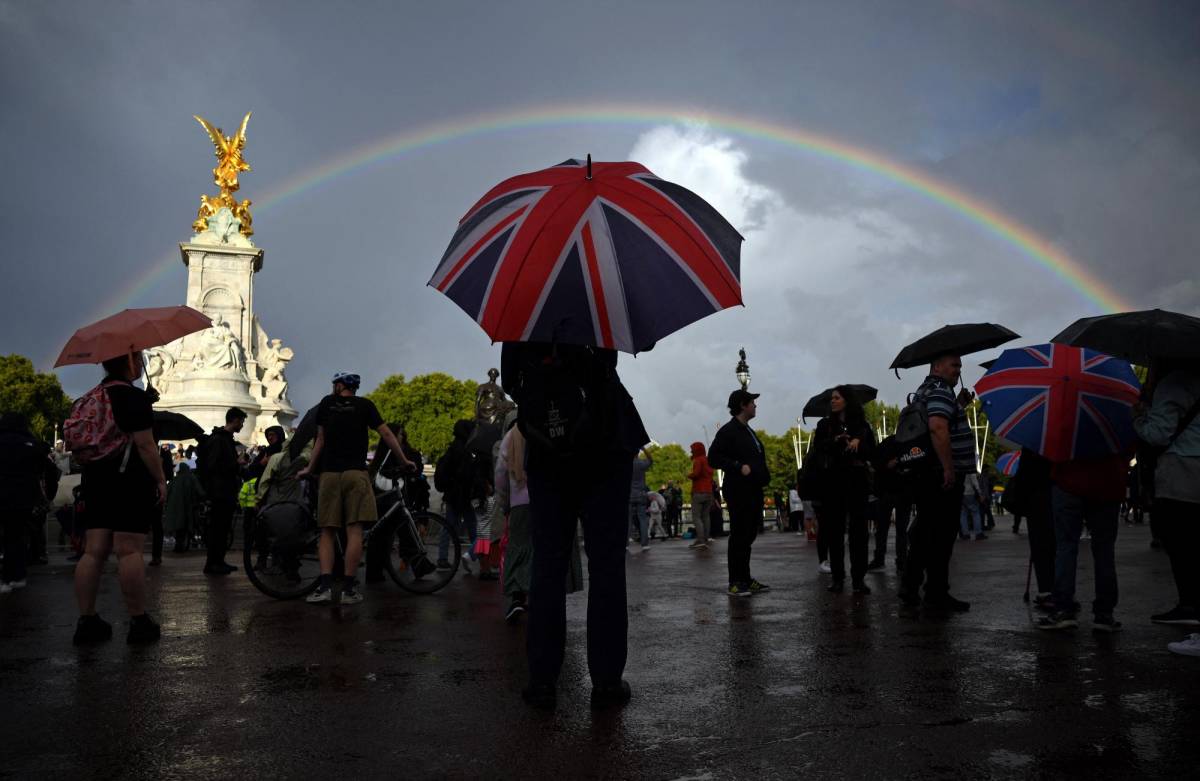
(345, 498)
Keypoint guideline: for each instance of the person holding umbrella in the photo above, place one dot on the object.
(938, 494)
(845, 444)
(125, 490)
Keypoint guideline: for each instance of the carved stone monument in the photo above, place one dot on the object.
(234, 363)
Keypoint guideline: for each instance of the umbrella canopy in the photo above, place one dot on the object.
(1137, 336)
(607, 255)
(1061, 402)
(960, 339)
(1007, 463)
(174, 426)
(818, 406)
(130, 330)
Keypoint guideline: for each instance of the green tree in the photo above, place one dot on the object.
(781, 460)
(671, 463)
(881, 416)
(428, 405)
(36, 395)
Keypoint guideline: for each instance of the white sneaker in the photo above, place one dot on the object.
(645, 548)
(825, 567)
(1188, 647)
(13, 585)
(5, 588)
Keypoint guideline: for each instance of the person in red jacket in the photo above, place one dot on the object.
(702, 495)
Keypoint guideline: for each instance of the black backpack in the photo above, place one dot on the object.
(917, 457)
(556, 414)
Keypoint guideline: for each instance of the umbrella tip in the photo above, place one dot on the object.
(589, 166)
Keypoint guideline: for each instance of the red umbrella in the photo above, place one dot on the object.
(129, 331)
(603, 254)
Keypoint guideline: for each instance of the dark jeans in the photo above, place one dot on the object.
(558, 498)
(745, 519)
(1178, 525)
(902, 507)
(1040, 529)
(220, 520)
(1070, 514)
(842, 512)
(822, 534)
(931, 539)
(16, 541)
(156, 538)
(456, 519)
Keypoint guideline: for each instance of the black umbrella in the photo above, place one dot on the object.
(174, 426)
(960, 339)
(818, 406)
(1138, 337)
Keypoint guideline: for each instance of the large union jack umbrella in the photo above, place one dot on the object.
(607, 255)
(1008, 462)
(1062, 402)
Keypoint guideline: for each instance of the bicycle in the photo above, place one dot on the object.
(280, 549)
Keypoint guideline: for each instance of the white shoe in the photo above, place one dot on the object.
(13, 585)
(645, 548)
(1188, 647)
(825, 567)
(5, 588)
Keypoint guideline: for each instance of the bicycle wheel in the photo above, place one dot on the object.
(280, 551)
(413, 552)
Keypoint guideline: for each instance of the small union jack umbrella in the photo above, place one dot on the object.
(1062, 402)
(1008, 462)
(607, 255)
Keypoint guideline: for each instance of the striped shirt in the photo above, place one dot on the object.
(940, 402)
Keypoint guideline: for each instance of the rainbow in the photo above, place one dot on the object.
(1035, 248)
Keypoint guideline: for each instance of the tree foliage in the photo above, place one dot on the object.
(428, 405)
(671, 464)
(36, 395)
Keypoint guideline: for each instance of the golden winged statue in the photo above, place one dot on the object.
(225, 176)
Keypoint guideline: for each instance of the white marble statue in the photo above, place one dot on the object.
(220, 349)
(273, 358)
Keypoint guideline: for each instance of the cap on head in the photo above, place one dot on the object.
(740, 398)
(351, 381)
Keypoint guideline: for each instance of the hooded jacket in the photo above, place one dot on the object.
(701, 474)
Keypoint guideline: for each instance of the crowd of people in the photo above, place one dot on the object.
(575, 458)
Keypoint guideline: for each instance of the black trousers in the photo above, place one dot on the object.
(16, 540)
(745, 519)
(822, 534)
(156, 538)
(841, 512)
(220, 520)
(931, 539)
(1178, 525)
(901, 506)
(558, 498)
(1042, 547)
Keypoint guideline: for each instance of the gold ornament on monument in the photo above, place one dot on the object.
(225, 176)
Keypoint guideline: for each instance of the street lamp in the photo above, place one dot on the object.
(743, 369)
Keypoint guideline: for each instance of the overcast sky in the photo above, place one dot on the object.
(1080, 121)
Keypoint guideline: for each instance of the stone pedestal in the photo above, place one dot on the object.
(234, 363)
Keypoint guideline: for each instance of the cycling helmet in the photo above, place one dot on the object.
(347, 379)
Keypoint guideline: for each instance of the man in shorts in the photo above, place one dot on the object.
(346, 498)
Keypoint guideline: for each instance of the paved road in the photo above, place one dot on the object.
(789, 684)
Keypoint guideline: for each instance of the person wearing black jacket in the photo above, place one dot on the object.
(22, 461)
(845, 444)
(894, 496)
(221, 477)
(737, 451)
(582, 431)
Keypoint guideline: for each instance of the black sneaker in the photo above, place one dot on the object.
(443, 564)
(91, 629)
(516, 608)
(540, 695)
(758, 588)
(423, 567)
(1105, 623)
(862, 588)
(836, 587)
(1178, 616)
(740, 590)
(1057, 621)
(143, 630)
(981, 536)
(611, 695)
(877, 564)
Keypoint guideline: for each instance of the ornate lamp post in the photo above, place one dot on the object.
(743, 369)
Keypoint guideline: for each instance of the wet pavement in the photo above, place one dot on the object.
(792, 683)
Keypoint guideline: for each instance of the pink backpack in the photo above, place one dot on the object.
(91, 433)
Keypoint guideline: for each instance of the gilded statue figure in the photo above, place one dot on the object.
(225, 176)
